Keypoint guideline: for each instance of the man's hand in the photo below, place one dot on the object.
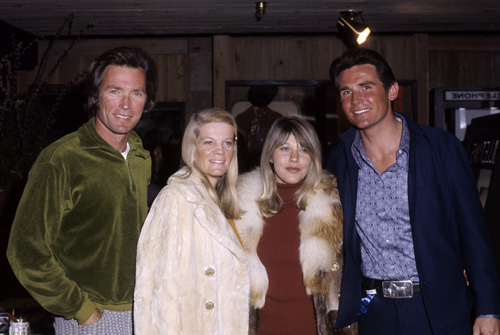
(486, 326)
(96, 316)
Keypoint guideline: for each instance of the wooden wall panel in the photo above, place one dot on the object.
(222, 69)
(173, 76)
(200, 75)
(464, 61)
(309, 58)
(398, 51)
(170, 55)
(282, 58)
(195, 69)
(422, 77)
(464, 69)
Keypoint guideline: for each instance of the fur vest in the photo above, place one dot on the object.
(321, 255)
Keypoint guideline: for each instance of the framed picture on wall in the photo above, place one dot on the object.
(313, 100)
(317, 101)
(163, 127)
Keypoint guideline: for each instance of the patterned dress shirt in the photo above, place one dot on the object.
(382, 214)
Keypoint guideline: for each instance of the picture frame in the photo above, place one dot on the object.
(315, 100)
(319, 103)
(407, 102)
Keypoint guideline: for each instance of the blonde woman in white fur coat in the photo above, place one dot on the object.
(192, 273)
(291, 228)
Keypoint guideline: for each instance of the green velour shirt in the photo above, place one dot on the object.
(73, 240)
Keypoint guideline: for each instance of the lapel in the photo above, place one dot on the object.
(210, 217)
(416, 135)
(348, 193)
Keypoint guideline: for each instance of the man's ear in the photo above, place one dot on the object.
(393, 91)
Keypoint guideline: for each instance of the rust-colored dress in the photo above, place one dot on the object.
(288, 309)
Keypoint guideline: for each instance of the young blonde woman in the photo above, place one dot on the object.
(292, 230)
(192, 274)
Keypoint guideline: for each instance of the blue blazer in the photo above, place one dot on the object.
(448, 227)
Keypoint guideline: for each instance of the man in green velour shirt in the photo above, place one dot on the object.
(73, 240)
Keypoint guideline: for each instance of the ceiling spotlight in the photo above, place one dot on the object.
(260, 10)
(353, 30)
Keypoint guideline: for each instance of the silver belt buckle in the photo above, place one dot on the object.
(397, 289)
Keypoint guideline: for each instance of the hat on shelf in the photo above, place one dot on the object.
(262, 95)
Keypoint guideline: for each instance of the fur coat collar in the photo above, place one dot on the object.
(320, 226)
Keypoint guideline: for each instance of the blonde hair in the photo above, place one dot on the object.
(270, 202)
(224, 193)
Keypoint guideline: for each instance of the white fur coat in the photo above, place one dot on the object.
(320, 226)
(192, 273)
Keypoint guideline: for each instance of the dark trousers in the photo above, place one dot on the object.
(404, 316)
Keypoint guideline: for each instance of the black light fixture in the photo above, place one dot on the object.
(354, 32)
(260, 7)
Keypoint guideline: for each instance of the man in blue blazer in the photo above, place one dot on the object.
(418, 255)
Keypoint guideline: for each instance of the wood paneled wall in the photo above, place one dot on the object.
(464, 61)
(184, 65)
(289, 58)
(194, 69)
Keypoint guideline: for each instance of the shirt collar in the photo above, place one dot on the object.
(405, 136)
(357, 145)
